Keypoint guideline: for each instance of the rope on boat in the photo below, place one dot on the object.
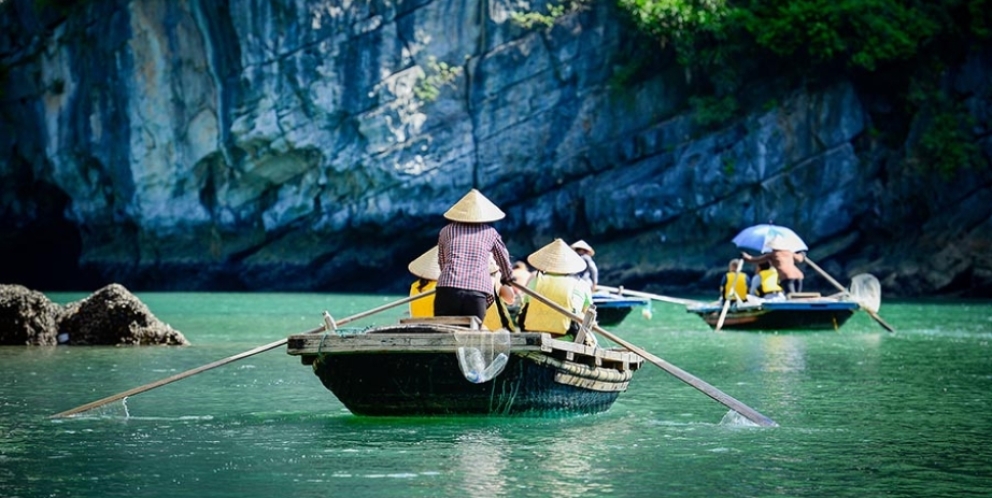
(580, 370)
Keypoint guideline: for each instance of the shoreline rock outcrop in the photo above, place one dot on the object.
(109, 316)
(27, 317)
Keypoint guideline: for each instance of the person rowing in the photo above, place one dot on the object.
(465, 244)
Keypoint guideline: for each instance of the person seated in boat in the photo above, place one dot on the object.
(765, 283)
(784, 261)
(426, 269)
(521, 275)
(556, 266)
(754, 286)
(498, 314)
(733, 285)
(591, 273)
(465, 244)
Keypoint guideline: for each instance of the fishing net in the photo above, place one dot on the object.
(482, 355)
(867, 291)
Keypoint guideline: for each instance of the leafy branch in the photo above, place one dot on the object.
(437, 75)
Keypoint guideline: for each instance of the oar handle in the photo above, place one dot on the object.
(385, 307)
(826, 275)
(680, 374)
(229, 359)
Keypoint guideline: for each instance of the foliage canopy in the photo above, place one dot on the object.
(902, 48)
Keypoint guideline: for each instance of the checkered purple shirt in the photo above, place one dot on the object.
(463, 254)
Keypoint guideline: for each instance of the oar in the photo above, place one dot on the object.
(726, 300)
(872, 313)
(229, 359)
(680, 374)
(648, 295)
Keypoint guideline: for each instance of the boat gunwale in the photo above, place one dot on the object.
(440, 338)
(786, 305)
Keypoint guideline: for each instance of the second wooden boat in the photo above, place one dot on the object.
(611, 309)
(800, 313)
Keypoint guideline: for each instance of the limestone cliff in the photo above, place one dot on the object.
(314, 145)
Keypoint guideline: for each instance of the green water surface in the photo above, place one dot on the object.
(862, 412)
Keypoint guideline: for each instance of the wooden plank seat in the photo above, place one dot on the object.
(470, 322)
(803, 295)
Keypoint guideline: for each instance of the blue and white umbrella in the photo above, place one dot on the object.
(764, 237)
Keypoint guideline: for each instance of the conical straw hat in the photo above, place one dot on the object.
(426, 265)
(583, 245)
(474, 208)
(557, 257)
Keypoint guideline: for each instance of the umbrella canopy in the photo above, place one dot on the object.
(766, 237)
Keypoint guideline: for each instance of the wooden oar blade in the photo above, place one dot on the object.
(680, 374)
(878, 319)
(871, 312)
(229, 359)
(699, 384)
(171, 379)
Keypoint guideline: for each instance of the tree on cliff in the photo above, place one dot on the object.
(899, 47)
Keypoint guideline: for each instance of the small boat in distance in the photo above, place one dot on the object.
(801, 311)
(611, 309)
(418, 368)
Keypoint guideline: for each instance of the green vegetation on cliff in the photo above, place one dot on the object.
(899, 50)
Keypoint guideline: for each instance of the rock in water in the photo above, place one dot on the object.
(112, 315)
(27, 317)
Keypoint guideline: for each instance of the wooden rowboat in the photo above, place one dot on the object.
(411, 369)
(805, 312)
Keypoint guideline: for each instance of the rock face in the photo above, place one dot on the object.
(27, 317)
(308, 145)
(110, 316)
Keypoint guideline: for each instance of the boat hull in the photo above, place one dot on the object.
(613, 315)
(782, 316)
(611, 310)
(413, 370)
(432, 384)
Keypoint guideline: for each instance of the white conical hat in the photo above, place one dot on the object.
(474, 208)
(583, 245)
(557, 257)
(426, 265)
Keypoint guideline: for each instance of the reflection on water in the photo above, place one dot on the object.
(481, 457)
(571, 460)
(783, 353)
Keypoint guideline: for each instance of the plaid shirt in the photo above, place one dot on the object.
(463, 254)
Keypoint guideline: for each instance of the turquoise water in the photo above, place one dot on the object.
(862, 413)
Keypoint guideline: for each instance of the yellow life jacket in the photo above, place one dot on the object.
(735, 282)
(493, 320)
(423, 307)
(769, 281)
(541, 317)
